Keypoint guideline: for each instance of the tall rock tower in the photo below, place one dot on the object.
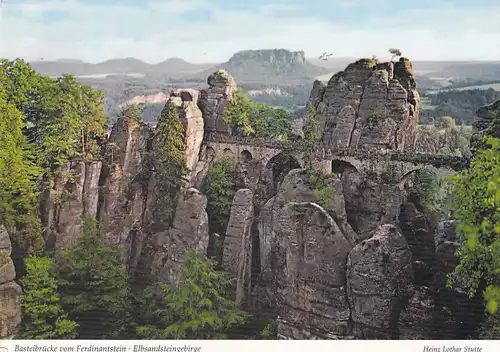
(368, 105)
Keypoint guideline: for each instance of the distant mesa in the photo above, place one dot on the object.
(270, 66)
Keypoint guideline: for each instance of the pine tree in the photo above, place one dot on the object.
(169, 161)
(95, 290)
(219, 187)
(197, 308)
(43, 317)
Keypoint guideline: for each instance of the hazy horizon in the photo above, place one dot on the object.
(201, 31)
(217, 62)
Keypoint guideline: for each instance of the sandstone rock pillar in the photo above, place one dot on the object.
(214, 100)
(237, 253)
(10, 292)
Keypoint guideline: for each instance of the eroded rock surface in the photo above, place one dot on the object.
(416, 319)
(214, 100)
(123, 192)
(446, 246)
(303, 253)
(379, 277)
(189, 231)
(70, 197)
(186, 101)
(311, 286)
(419, 234)
(368, 105)
(237, 253)
(369, 202)
(10, 291)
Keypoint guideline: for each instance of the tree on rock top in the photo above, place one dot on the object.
(169, 160)
(395, 53)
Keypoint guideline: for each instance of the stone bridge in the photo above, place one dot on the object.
(385, 163)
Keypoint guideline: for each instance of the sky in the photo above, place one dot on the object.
(212, 30)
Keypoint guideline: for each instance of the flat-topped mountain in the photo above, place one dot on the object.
(269, 66)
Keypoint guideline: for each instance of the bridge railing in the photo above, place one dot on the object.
(325, 151)
(224, 138)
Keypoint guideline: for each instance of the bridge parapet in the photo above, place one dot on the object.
(327, 152)
(215, 137)
(454, 162)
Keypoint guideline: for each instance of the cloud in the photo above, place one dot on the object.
(207, 30)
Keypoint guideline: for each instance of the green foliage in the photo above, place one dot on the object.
(269, 332)
(323, 187)
(43, 317)
(219, 187)
(395, 53)
(494, 127)
(490, 329)
(373, 61)
(460, 104)
(94, 287)
(257, 119)
(168, 160)
(445, 137)
(65, 118)
(19, 177)
(18, 172)
(197, 308)
(132, 112)
(311, 135)
(477, 208)
(432, 190)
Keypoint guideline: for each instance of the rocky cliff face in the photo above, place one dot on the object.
(214, 100)
(367, 266)
(123, 195)
(70, 197)
(188, 231)
(186, 101)
(368, 105)
(10, 292)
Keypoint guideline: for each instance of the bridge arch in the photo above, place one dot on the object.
(280, 165)
(245, 156)
(228, 153)
(209, 153)
(340, 166)
(268, 155)
(410, 173)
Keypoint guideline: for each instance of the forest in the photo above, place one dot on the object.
(84, 292)
(459, 104)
